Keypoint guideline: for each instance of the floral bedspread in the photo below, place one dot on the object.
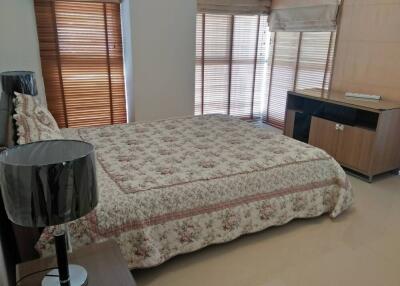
(174, 186)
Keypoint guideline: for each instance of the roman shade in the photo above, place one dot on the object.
(82, 61)
(234, 7)
(303, 15)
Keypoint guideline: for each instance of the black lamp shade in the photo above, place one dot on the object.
(48, 182)
(19, 81)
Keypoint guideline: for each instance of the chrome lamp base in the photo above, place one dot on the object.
(77, 276)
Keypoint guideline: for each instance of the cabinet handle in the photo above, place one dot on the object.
(339, 127)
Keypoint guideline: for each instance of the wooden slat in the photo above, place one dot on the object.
(82, 61)
(49, 52)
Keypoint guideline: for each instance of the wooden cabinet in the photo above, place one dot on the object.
(351, 146)
(324, 135)
(363, 136)
(354, 148)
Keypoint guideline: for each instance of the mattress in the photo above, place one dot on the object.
(174, 186)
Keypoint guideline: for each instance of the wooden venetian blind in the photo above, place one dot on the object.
(298, 60)
(231, 62)
(81, 54)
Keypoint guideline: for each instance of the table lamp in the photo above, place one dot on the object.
(49, 183)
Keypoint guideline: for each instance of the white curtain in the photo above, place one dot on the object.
(303, 15)
(235, 7)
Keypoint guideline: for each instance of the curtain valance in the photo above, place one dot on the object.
(303, 15)
(234, 7)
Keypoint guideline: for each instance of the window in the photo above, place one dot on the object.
(231, 64)
(82, 64)
(299, 60)
(245, 71)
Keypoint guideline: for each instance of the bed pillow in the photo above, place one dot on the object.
(34, 121)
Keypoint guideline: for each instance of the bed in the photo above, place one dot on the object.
(174, 186)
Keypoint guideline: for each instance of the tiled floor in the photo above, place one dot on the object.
(361, 247)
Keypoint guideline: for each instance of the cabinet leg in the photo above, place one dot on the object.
(370, 178)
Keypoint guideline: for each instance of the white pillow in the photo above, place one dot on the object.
(34, 121)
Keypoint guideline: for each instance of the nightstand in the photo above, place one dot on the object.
(103, 262)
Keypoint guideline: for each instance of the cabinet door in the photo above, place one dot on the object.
(289, 122)
(324, 135)
(354, 147)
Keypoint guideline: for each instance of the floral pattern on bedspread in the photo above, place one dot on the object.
(174, 186)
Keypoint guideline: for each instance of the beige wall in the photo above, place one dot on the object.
(159, 58)
(19, 46)
(163, 47)
(368, 53)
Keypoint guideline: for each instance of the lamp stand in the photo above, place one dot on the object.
(66, 274)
